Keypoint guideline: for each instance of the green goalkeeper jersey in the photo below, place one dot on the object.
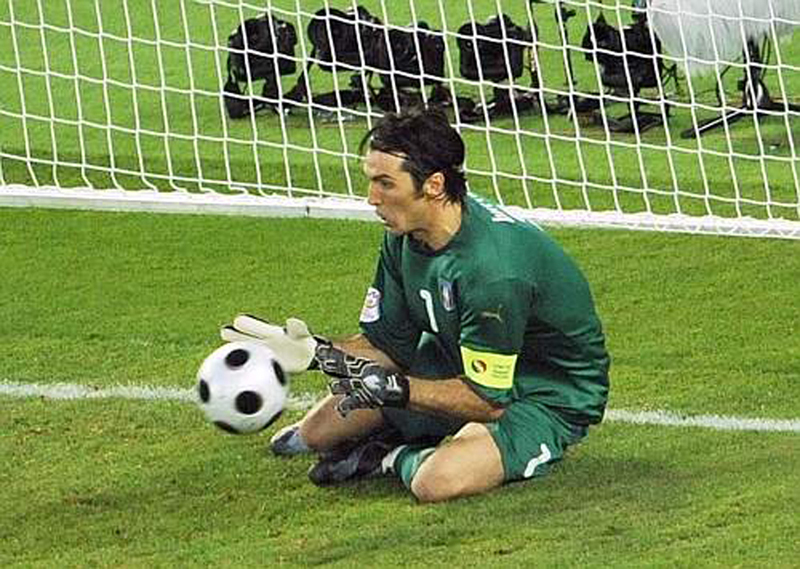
(511, 310)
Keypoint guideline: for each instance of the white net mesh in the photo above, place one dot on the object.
(118, 104)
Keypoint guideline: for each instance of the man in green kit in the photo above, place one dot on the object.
(480, 358)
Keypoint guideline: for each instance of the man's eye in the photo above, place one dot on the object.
(386, 184)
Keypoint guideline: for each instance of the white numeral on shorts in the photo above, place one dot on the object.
(536, 461)
(428, 298)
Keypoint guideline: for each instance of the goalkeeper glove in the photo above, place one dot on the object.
(363, 383)
(293, 345)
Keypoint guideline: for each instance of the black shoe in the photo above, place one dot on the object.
(361, 461)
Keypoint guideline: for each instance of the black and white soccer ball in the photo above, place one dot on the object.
(241, 387)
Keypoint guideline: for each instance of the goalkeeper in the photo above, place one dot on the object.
(480, 359)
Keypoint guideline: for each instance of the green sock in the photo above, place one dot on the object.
(408, 460)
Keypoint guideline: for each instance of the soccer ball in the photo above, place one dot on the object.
(241, 387)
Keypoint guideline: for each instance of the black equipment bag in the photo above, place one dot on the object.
(637, 56)
(259, 48)
(629, 60)
(412, 55)
(491, 50)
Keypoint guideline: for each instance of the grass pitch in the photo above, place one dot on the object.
(696, 325)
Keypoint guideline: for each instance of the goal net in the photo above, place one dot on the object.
(657, 114)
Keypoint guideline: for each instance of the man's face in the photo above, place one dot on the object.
(391, 190)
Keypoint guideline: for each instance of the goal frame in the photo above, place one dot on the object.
(244, 204)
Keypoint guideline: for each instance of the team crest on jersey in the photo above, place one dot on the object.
(371, 311)
(446, 290)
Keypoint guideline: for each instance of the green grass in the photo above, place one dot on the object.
(126, 111)
(696, 325)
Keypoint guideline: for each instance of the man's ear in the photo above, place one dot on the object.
(434, 186)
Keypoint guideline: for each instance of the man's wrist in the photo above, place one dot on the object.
(406, 389)
(397, 390)
(320, 342)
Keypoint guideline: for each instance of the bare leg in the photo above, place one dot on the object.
(323, 428)
(469, 464)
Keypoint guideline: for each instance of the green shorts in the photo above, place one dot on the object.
(531, 437)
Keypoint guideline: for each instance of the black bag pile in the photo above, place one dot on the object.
(405, 60)
(409, 60)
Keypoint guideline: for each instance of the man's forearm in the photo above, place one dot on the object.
(452, 397)
(437, 396)
(359, 345)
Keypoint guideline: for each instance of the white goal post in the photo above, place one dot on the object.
(118, 105)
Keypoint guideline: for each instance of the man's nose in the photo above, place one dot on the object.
(373, 195)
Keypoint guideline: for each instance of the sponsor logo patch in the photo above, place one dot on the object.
(371, 311)
(479, 366)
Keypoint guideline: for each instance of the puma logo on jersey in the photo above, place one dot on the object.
(493, 315)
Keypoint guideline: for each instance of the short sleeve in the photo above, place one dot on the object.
(384, 317)
(493, 322)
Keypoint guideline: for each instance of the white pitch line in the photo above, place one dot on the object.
(71, 391)
(717, 422)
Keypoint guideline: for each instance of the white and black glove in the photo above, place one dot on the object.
(293, 345)
(363, 383)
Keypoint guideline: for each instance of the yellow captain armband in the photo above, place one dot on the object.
(488, 369)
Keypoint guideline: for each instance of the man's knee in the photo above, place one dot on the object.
(469, 464)
(433, 485)
(441, 480)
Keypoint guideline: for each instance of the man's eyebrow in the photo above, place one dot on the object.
(379, 177)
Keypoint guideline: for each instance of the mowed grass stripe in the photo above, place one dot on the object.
(300, 402)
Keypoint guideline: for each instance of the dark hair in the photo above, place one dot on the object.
(426, 142)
